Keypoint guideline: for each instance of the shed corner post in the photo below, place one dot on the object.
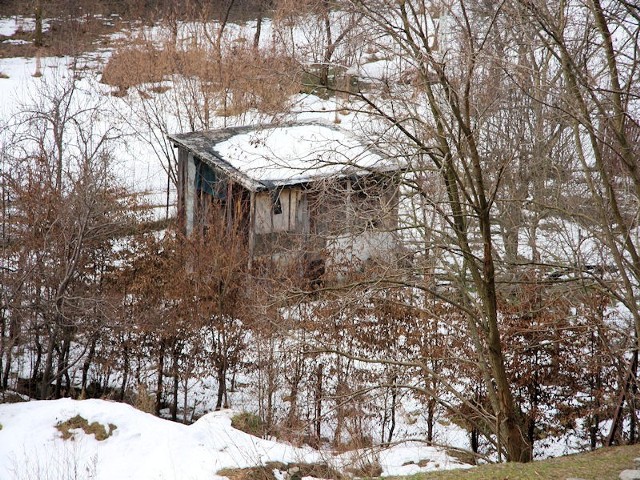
(252, 225)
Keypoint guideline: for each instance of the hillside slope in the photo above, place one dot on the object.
(140, 446)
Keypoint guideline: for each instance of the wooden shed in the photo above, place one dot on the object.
(303, 190)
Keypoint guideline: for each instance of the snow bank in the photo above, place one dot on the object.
(143, 446)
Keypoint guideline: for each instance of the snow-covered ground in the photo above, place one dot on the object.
(139, 158)
(10, 26)
(142, 446)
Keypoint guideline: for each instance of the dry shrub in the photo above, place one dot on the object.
(288, 12)
(243, 77)
(195, 61)
(370, 470)
(365, 465)
(144, 401)
(298, 471)
(258, 80)
(137, 64)
(13, 397)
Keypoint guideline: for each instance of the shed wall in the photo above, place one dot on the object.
(293, 217)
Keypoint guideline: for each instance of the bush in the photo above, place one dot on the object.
(144, 401)
(135, 65)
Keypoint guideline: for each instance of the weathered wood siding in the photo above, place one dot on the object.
(294, 216)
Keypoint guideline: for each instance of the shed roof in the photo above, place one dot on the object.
(269, 156)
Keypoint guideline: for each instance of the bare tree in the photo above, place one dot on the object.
(599, 97)
(64, 212)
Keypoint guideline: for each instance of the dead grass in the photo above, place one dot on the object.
(10, 50)
(236, 81)
(603, 464)
(94, 428)
(11, 397)
(143, 400)
(295, 471)
(264, 472)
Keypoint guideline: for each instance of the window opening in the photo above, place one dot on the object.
(276, 204)
(207, 181)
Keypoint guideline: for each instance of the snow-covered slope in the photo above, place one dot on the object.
(146, 447)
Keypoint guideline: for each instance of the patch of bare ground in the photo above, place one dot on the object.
(96, 429)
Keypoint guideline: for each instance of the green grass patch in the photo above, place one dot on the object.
(248, 423)
(94, 428)
(602, 464)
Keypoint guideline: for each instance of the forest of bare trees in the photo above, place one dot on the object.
(511, 308)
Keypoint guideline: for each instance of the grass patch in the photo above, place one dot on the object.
(295, 471)
(298, 471)
(264, 472)
(97, 429)
(248, 423)
(603, 464)
(365, 470)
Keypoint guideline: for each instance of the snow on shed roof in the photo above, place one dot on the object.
(276, 155)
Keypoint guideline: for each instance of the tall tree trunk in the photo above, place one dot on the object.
(35, 373)
(176, 381)
(256, 36)
(394, 399)
(44, 389)
(222, 384)
(62, 370)
(125, 369)
(160, 372)
(317, 413)
(86, 366)
(38, 37)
